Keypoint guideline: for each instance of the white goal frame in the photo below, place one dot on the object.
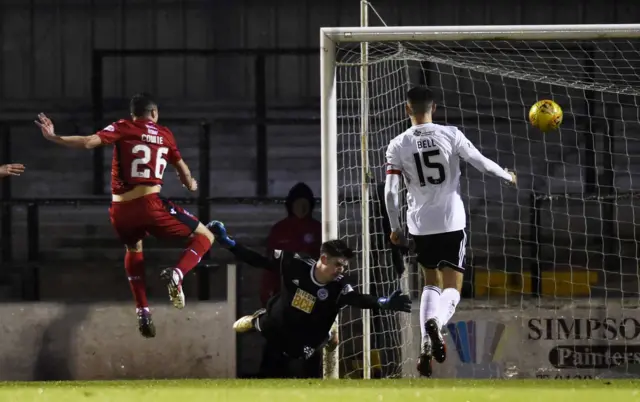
(331, 37)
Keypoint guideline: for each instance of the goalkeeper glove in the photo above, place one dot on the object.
(396, 302)
(220, 233)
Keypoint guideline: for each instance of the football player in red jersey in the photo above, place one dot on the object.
(142, 149)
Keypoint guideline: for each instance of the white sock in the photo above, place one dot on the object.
(448, 302)
(177, 275)
(429, 306)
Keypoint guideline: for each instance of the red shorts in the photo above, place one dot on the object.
(151, 214)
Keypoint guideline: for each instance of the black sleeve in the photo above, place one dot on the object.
(351, 297)
(253, 258)
(360, 300)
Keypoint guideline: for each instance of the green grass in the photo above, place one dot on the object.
(325, 391)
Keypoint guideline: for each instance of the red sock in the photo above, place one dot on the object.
(134, 265)
(191, 256)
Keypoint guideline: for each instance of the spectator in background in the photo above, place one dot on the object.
(299, 232)
(11, 169)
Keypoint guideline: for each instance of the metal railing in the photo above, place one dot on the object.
(33, 235)
(260, 120)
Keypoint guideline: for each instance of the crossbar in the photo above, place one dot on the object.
(482, 32)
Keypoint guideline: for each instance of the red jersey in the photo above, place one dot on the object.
(294, 235)
(297, 236)
(141, 151)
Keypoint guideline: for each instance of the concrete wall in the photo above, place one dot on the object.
(51, 341)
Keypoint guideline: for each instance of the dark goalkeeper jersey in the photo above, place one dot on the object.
(302, 313)
(304, 307)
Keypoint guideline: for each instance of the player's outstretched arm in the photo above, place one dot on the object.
(392, 190)
(392, 205)
(241, 252)
(11, 169)
(71, 141)
(470, 153)
(184, 174)
(395, 302)
(392, 200)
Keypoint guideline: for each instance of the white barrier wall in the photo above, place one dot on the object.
(593, 340)
(47, 341)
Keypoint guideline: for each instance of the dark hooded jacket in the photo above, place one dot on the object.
(298, 235)
(300, 190)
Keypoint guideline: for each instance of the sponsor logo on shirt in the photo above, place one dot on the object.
(303, 301)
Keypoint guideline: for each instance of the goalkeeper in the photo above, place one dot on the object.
(298, 320)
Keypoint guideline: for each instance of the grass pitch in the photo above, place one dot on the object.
(325, 391)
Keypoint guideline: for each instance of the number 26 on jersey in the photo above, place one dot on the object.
(147, 160)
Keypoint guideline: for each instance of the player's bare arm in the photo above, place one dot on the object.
(470, 153)
(391, 194)
(70, 141)
(11, 169)
(184, 174)
(392, 204)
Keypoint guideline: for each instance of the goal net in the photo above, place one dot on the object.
(551, 288)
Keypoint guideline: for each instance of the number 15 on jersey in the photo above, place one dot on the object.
(429, 162)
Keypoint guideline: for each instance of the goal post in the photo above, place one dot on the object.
(329, 169)
(486, 78)
(365, 190)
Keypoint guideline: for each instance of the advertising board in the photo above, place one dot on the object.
(564, 343)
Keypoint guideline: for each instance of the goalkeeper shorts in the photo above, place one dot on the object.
(293, 344)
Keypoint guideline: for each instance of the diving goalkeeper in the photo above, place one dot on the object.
(298, 320)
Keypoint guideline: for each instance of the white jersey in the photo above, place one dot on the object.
(428, 157)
